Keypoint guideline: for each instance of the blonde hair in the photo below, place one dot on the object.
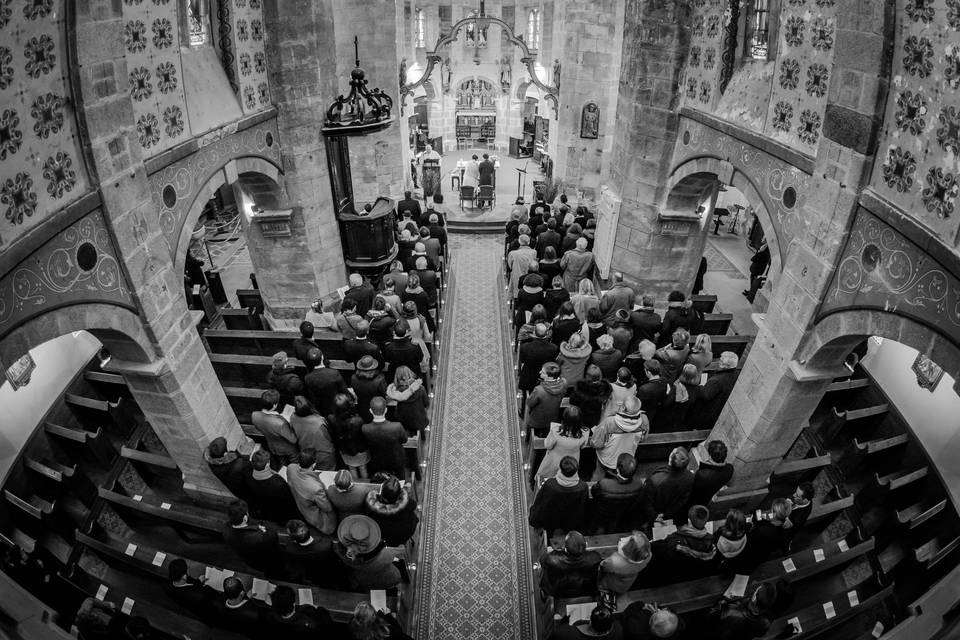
(366, 624)
(585, 288)
(646, 349)
(703, 344)
(605, 341)
(576, 340)
(403, 377)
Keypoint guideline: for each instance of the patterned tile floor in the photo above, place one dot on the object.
(475, 579)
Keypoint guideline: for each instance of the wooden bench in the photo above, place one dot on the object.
(848, 385)
(936, 549)
(34, 506)
(874, 446)
(144, 558)
(733, 498)
(736, 344)
(250, 299)
(900, 478)
(92, 443)
(155, 459)
(206, 520)
(267, 343)
(17, 538)
(838, 420)
(813, 618)
(48, 469)
(919, 512)
(717, 324)
(109, 384)
(251, 371)
(704, 303)
(801, 470)
(247, 319)
(94, 413)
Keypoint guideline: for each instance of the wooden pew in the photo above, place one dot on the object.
(144, 559)
(733, 498)
(267, 343)
(736, 344)
(95, 413)
(813, 619)
(900, 478)
(874, 446)
(34, 506)
(936, 549)
(717, 324)
(919, 512)
(48, 469)
(246, 319)
(108, 384)
(694, 595)
(704, 303)
(251, 371)
(250, 298)
(177, 515)
(839, 420)
(155, 459)
(93, 443)
(801, 470)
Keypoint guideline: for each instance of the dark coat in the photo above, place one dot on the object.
(287, 383)
(563, 329)
(560, 508)
(590, 398)
(311, 562)
(231, 470)
(270, 499)
(646, 325)
(759, 262)
(256, 547)
(194, 597)
(367, 388)
(549, 238)
(487, 169)
(412, 412)
(713, 396)
(764, 541)
(733, 620)
(306, 623)
(653, 395)
(402, 352)
(667, 491)
(381, 330)
(566, 576)
(553, 298)
(302, 345)
(385, 442)
(363, 295)
(356, 348)
(707, 481)
(244, 620)
(676, 317)
(678, 416)
(616, 504)
(411, 205)
(397, 521)
(322, 385)
(533, 354)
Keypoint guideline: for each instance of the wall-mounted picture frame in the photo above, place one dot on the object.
(927, 371)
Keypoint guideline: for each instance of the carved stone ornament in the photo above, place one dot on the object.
(274, 223)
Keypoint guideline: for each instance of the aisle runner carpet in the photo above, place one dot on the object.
(475, 580)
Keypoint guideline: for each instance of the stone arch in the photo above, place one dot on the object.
(831, 339)
(736, 177)
(119, 329)
(227, 174)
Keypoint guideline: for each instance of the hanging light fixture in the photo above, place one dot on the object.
(363, 110)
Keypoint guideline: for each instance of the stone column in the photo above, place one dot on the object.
(178, 391)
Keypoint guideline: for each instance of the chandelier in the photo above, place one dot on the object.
(363, 110)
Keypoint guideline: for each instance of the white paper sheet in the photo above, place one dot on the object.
(788, 565)
(165, 505)
(738, 587)
(159, 558)
(261, 589)
(853, 598)
(843, 546)
(378, 598)
(214, 578)
(130, 550)
(796, 624)
(127, 606)
(579, 612)
(828, 610)
(101, 592)
(818, 555)
(287, 412)
(305, 597)
(877, 630)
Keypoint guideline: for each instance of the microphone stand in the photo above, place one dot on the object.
(522, 194)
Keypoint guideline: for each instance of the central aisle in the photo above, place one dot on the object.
(475, 581)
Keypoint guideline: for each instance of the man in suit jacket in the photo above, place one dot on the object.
(385, 440)
(308, 555)
(236, 611)
(321, 383)
(411, 205)
(646, 323)
(356, 348)
(533, 354)
(758, 266)
(305, 342)
(654, 392)
(267, 493)
(487, 170)
(360, 291)
(401, 351)
(254, 541)
(346, 496)
(188, 592)
(281, 438)
(428, 280)
(548, 238)
(712, 474)
(284, 619)
(228, 466)
(715, 392)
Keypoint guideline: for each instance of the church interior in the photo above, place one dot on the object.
(501, 319)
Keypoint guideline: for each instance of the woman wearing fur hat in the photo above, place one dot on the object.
(393, 510)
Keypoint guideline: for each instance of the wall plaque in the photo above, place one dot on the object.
(274, 223)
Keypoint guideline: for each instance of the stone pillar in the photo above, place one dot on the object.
(656, 40)
(188, 407)
(301, 63)
(591, 34)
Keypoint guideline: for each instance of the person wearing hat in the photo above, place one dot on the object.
(619, 296)
(365, 556)
(615, 498)
(401, 351)
(361, 345)
(310, 494)
(280, 437)
(283, 377)
(420, 333)
(385, 438)
(569, 570)
(367, 383)
(321, 383)
(345, 495)
(412, 401)
(647, 621)
(380, 319)
(577, 264)
(680, 314)
(620, 433)
(394, 510)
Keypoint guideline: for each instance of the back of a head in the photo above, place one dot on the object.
(523, 240)
(342, 404)
(552, 370)
(652, 367)
(601, 619)
(363, 327)
(569, 466)
(217, 448)
(698, 516)
(592, 374)
(138, 628)
(576, 341)
(574, 544)
(605, 342)
(780, 510)
(390, 490)
(308, 457)
(538, 315)
(626, 465)
(765, 597)
(283, 600)
(647, 301)
(302, 407)
(703, 343)
(676, 296)
(680, 338)
(413, 280)
(378, 406)
(232, 588)
(356, 280)
(177, 569)
(550, 253)
(571, 421)
(624, 376)
(421, 263)
(663, 623)
(298, 530)
(236, 512)
(575, 229)
(314, 357)
(269, 399)
(348, 304)
(735, 523)
(581, 243)
(540, 330)
(594, 316)
(406, 195)
(717, 451)
(306, 329)
(380, 303)
(646, 349)
(807, 489)
(260, 459)
(689, 374)
(636, 547)
(729, 360)
(343, 480)
(679, 459)
(424, 233)
(400, 328)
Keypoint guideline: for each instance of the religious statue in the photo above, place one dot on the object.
(556, 73)
(446, 74)
(506, 74)
(590, 121)
(403, 72)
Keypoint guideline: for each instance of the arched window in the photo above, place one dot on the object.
(533, 28)
(419, 31)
